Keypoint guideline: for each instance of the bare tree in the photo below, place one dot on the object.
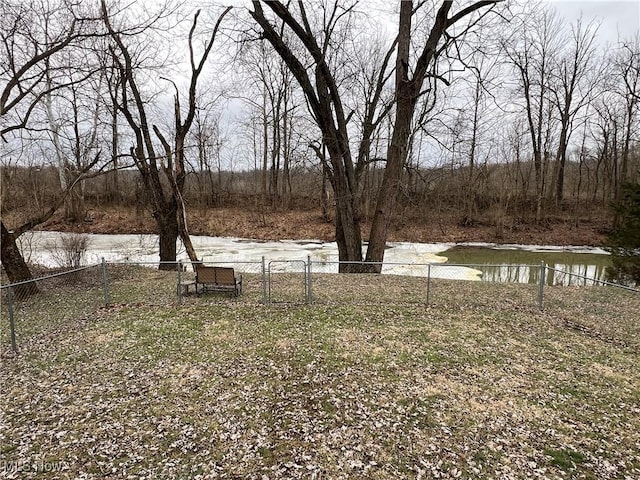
(321, 91)
(311, 64)
(34, 36)
(627, 70)
(533, 54)
(168, 206)
(577, 76)
(474, 124)
(615, 121)
(208, 138)
(274, 99)
(74, 128)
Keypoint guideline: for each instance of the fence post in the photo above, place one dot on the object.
(179, 284)
(543, 274)
(428, 282)
(12, 326)
(264, 282)
(105, 283)
(309, 291)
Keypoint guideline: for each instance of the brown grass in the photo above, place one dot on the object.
(480, 383)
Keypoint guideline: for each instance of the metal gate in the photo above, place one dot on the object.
(287, 281)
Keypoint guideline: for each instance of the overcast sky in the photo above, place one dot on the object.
(620, 18)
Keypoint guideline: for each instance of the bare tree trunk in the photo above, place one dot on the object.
(471, 188)
(561, 160)
(169, 209)
(74, 206)
(183, 232)
(348, 236)
(276, 146)
(348, 240)
(167, 237)
(405, 104)
(14, 265)
(286, 151)
(324, 99)
(408, 85)
(324, 195)
(112, 179)
(628, 66)
(265, 148)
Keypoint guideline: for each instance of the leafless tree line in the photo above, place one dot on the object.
(483, 104)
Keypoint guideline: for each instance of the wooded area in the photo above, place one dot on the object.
(491, 110)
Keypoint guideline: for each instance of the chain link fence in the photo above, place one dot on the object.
(399, 283)
(148, 283)
(45, 305)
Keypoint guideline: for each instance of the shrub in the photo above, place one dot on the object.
(70, 250)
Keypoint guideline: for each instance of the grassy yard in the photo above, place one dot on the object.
(479, 384)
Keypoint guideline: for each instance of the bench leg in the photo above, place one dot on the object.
(186, 288)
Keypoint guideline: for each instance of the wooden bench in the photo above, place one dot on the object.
(217, 279)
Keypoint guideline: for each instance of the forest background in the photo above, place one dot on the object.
(271, 120)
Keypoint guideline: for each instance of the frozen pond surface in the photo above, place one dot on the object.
(402, 258)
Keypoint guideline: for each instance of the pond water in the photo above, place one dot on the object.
(517, 263)
(487, 262)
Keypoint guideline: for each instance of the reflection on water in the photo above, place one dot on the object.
(565, 267)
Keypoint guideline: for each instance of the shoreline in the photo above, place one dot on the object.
(533, 247)
(229, 222)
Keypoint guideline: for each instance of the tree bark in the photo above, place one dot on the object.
(405, 105)
(348, 235)
(14, 265)
(167, 237)
(407, 91)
